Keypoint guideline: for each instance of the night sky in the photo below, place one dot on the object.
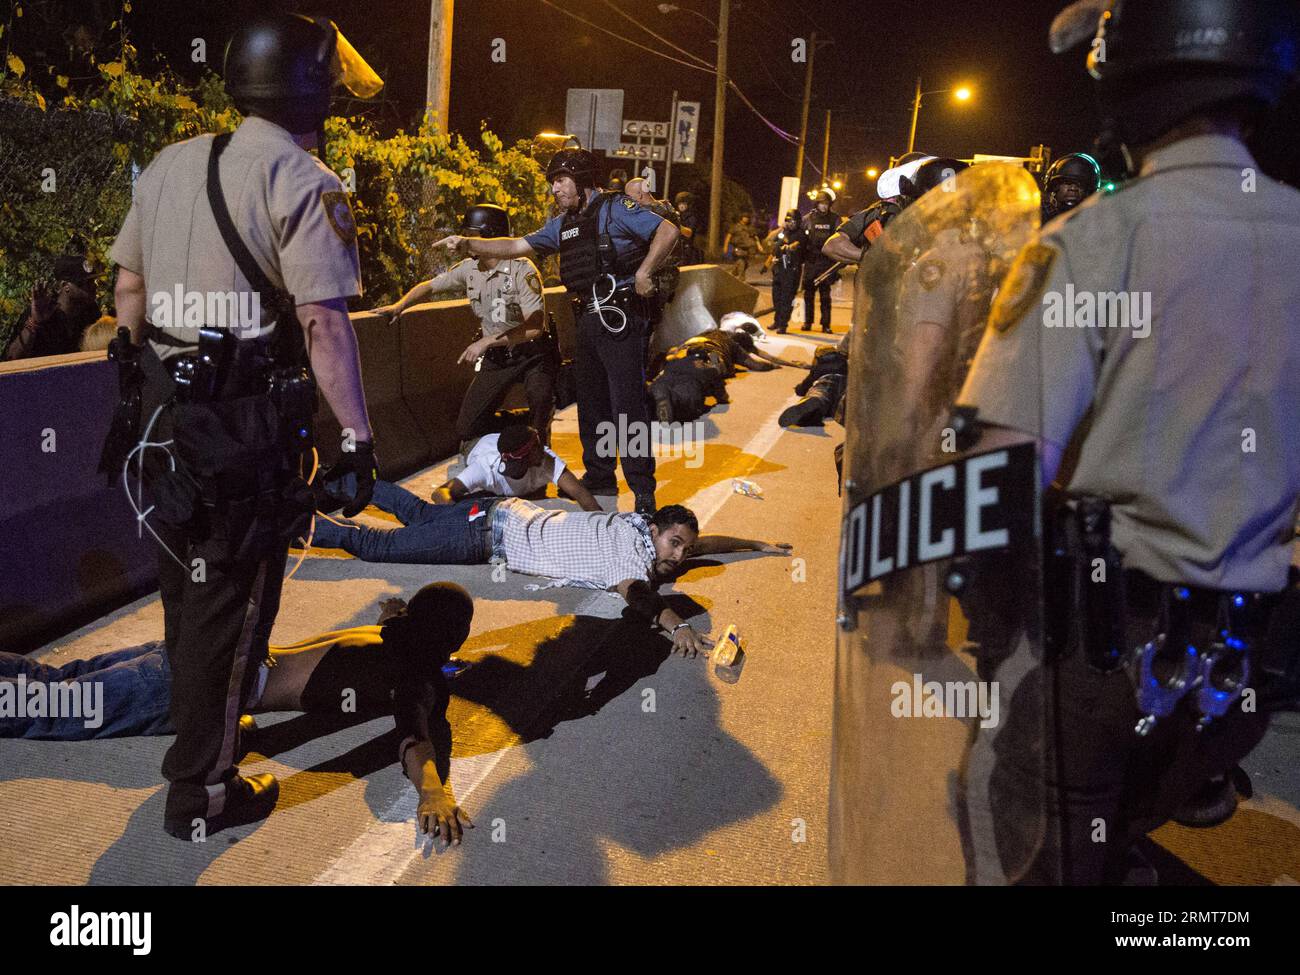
(1023, 94)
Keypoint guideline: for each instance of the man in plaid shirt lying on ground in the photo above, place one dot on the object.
(620, 551)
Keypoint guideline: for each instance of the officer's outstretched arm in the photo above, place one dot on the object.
(332, 346)
(129, 297)
(840, 248)
(488, 246)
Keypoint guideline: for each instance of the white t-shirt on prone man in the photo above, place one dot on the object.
(483, 471)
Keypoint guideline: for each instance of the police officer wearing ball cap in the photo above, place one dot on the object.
(1068, 182)
(232, 402)
(820, 224)
(609, 249)
(515, 345)
(1177, 438)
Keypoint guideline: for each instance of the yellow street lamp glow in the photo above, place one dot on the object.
(962, 94)
(872, 173)
(837, 185)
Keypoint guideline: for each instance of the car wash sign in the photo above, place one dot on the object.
(643, 140)
(979, 503)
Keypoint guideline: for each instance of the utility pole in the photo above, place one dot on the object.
(672, 142)
(437, 92)
(916, 112)
(719, 125)
(803, 115)
(826, 150)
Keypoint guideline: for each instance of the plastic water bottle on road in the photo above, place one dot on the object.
(728, 656)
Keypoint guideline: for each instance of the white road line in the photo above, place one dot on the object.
(390, 845)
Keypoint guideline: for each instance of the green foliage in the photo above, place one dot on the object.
(407, 189)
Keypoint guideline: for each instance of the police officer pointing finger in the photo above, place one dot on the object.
(259, 235)
(609, 249)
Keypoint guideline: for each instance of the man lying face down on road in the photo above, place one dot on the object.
(619, 551)
(513, 464)
(394, 667)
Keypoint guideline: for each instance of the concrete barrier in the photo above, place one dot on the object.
(705, 293)
(71, 550)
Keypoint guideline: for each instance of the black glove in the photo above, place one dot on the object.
(361, 463)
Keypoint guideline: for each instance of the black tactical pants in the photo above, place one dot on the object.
(493, 381)
(810, 291)
(220, 579)
(784, 287)
(613, 411)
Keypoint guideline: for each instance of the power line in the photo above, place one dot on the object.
(657, 37)
(731, 84)
(626, 40)
(780, 132)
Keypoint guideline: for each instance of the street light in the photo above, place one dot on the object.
(873, 173)
(962, 94)
(672, 8)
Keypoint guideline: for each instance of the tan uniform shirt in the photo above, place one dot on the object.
(502, 298)
(289, 208)
(1194, 392)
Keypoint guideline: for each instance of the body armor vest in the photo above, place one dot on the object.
(586, 254)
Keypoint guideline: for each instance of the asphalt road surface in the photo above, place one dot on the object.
(583, 752)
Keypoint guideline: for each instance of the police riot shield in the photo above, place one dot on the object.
(937, 753)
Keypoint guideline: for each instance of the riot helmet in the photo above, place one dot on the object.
(1158, 63)
(579, 164)
(1069, 181)
(284, 69)
(486, 220)
(930, 174)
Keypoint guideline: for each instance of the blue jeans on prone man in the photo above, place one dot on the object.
(433, 534)
(134, 700)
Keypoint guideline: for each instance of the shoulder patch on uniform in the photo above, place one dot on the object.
(629, 203)
(338, 211)
(534, 282)
(932, 271)
(1023, 286)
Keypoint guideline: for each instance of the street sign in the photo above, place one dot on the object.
(641, 150)
(635, 129)
(595, 116)
(686, 127)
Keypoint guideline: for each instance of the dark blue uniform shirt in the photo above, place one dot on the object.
(630, 226)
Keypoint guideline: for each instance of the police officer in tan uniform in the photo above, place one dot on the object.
(1170, 412)
(234, 266)
(515, 345)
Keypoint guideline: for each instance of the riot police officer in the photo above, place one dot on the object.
(820, 224)
(1068, 182)
(1170, 434)
(514, 345)
(785, 258)
(232, 401)
(609, 249)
